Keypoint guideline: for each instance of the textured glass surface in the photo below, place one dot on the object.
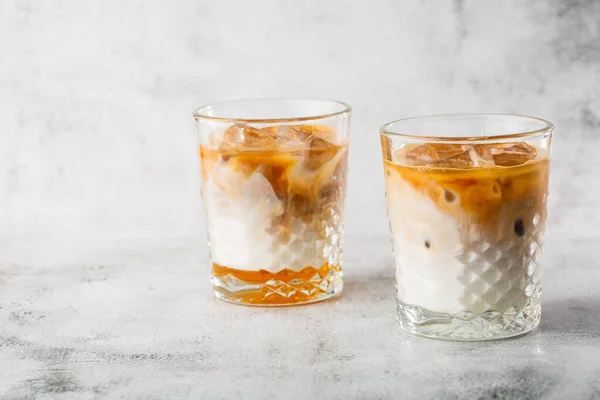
(467, 222)
(501, 292)
(274, 193)
(294, 282)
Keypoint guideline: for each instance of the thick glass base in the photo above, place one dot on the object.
(283, 288)
(469, 326)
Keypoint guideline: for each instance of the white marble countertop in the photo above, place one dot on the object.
(144, 324)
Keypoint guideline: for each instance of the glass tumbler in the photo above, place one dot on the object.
(274, 184)
(466, 200)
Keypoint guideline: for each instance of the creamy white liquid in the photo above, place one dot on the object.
(437, 271)
(240, 234)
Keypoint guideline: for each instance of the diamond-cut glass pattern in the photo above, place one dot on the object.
(472, 326)
(501, 292)
(310, 256)
(283, 287)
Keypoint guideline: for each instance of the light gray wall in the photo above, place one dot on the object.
(96, 145)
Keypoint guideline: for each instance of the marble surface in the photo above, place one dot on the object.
(141, 322)
(104, 288)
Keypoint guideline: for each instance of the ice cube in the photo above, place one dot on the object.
(242, 164)
(450, 155)
(447, 150)
(422, 154)
(270, 130)
(292, 133)
(317, 152)
(511, 154)
(215, 139)
(242, 137)
(290, 139)
(466, 155)
(463, 155)
(258, 192)
(458, 159)
(228, 179)
(330, 176)
(309, 176)
(231, 173)
(321, 131)
(480, 155)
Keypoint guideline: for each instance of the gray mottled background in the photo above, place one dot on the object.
(101, 228)
(96, 135)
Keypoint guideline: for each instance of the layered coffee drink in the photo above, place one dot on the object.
(274, 205)
(467, 222)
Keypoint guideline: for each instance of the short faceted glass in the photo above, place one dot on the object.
(274, 184)
(466, 200)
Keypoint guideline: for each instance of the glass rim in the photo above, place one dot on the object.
(546, 129)
(198, 113)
